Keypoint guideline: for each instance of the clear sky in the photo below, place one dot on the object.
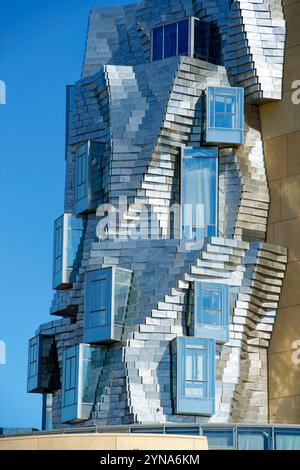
(42, 44)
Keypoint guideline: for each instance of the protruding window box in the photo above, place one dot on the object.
(43, 371)
(210, 315)
(199, 193)
(89, 176)
(225, 115)
(193, 376)
(106, 299)
(187, 37)
(67, 235)
(81, 370)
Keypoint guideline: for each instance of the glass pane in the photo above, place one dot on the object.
(91, 369)
(220, 104)
(170, 40)
(251, 440)
(193, 389)
(183, 37)
(157, 53)
(216, 300)
(225, 121)
(212, 317)
(219, 439)
(287, 439)
(201, 40)
(199, 192)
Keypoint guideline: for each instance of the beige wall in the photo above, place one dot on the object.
(104, 442)
(281, 131)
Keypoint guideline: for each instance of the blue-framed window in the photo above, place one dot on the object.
(106, 299)
(189, 37)
(193, 376)
(254, 439)
(67, 236)
(171, 39)
(199, 193)
(47, 418)
(43, 370)
(210, 317)
(220, 438)
(81, 368)
(287, 439)
(225, 115)
(89, 178)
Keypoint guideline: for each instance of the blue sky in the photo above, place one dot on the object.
(42, 45)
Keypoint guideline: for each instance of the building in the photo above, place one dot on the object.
(168, 264)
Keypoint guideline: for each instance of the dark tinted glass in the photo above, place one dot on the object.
(183, 37)
(170, 40)
(201, 40)
(157, 52)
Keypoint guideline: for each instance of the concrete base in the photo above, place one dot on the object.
(104, 442)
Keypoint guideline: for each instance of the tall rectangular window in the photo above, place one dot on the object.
(106, 299)
(225, 115)
(170, 40)
(81, 370)
(193, 375)
(199, 181)
(67, 236)
(43, 371)
(211, 311)
(89, 178)
(183, 37)
(82, 178)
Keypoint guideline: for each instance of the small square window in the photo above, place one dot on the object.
(225, 115)
(210, 311)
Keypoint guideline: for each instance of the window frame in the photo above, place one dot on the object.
(190, 153)
(70, 227)
(220, 332)
(163, 25)
(182, 402)
(109, 331)
(227, 135)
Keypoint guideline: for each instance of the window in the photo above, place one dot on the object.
(220, 438)
(81, 368)
(193, 375)
(211, 311)
(43, 370)
(287, 439)
(67, 236)
(89, 176)
(225, 115)
(47, 423)
(106, 298)
(207, 41)
(199, 180)
(171, 40)
(189, 37)
(254, 439)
